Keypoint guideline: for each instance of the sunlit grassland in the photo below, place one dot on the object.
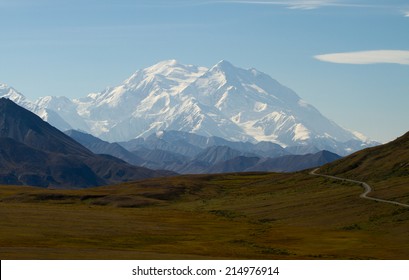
(233, 216)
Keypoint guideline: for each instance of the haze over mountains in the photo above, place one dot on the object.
(188, 153)
(223, 101)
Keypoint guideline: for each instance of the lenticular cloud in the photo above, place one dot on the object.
(367, 57)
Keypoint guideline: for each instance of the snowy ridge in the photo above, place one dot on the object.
(15, 96)
(224, 101)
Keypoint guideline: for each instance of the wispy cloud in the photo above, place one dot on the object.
(310, 4)
(301, 4)
(293, 4)
(367, 57)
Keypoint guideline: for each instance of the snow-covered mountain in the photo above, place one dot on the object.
(15, 96)
(224, 101)
(45, 113)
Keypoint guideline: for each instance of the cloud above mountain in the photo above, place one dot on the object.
(367, 57)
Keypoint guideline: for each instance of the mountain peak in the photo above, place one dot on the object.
(170, 62)
(224, 65)
(168, 74)
(162, 68)
(165, 63)
(11, 93)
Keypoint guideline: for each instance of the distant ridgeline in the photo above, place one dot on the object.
(189, 153)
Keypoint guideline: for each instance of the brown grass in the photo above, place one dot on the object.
(231, 216)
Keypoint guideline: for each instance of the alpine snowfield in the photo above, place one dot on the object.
(224, 101)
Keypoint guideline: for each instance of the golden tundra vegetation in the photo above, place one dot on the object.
(225, 216)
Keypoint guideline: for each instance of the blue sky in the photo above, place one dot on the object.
(350, 59)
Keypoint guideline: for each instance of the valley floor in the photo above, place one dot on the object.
(231, 216)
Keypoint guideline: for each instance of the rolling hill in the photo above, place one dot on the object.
(374, 164)
(385, 168)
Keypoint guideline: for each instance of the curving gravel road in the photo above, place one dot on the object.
(367, 188)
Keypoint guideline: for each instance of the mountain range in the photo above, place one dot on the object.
(188, 153)
(32, 152)
(223, 101)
